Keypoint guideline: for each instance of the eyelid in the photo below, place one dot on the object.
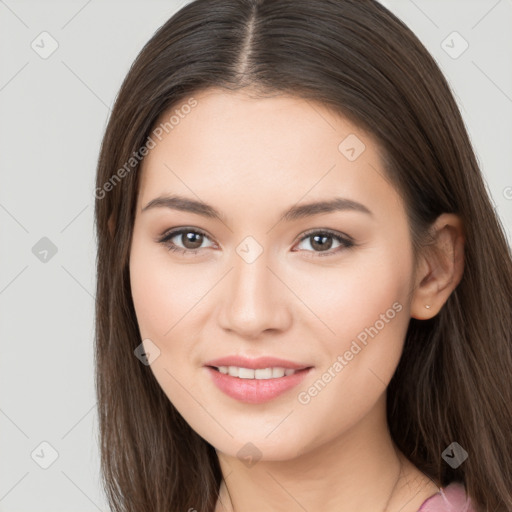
(345, 240)
(171, 233)
(335, 234)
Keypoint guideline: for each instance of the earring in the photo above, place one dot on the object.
(427, 306)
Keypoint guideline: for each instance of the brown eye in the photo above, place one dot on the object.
(184, 240)
(191, 240)
(322, 241)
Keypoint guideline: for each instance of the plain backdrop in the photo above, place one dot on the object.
(61, 65)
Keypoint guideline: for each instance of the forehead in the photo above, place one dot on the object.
(263, 150)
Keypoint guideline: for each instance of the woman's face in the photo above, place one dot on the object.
(264, 279)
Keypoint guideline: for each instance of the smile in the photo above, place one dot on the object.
(255, 386)
(258, 373)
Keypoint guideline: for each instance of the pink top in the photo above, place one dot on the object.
(450, 499)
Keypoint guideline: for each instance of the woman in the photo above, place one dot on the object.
(304, 293)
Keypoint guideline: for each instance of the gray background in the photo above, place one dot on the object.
(53, 113)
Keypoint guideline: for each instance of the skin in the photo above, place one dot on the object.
(251, 159)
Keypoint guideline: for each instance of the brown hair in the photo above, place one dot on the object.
(453, 382)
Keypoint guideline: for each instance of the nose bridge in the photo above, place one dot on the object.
(250, 279)
(253, 301)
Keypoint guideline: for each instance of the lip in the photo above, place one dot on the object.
(255, 363)
(255, 391)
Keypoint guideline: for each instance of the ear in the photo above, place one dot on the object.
(440, 267)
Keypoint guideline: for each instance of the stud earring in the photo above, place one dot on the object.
(427, 306)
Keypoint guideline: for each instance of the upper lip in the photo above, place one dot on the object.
(255, 363)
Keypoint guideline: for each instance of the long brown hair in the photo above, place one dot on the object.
(453, 382)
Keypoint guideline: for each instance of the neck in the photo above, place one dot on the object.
(361, 470)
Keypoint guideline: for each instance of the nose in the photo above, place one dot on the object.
(253, 299)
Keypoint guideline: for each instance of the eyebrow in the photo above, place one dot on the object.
(186, 204)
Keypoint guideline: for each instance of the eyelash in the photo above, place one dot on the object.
(345, 241)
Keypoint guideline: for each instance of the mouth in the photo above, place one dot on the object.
(272, 372)
(256, 385)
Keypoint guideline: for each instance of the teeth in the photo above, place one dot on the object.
(259, 373)
(244, 373)
(279, 372)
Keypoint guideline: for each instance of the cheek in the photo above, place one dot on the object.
(156, 299)
(352, 296)
(162, 293)
(366, 308)
(168, 301)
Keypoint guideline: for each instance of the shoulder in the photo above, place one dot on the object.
(451, 498)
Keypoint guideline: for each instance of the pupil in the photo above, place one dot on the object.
(189, 238)
(322, 245)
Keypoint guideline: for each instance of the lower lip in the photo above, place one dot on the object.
(256, 391)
